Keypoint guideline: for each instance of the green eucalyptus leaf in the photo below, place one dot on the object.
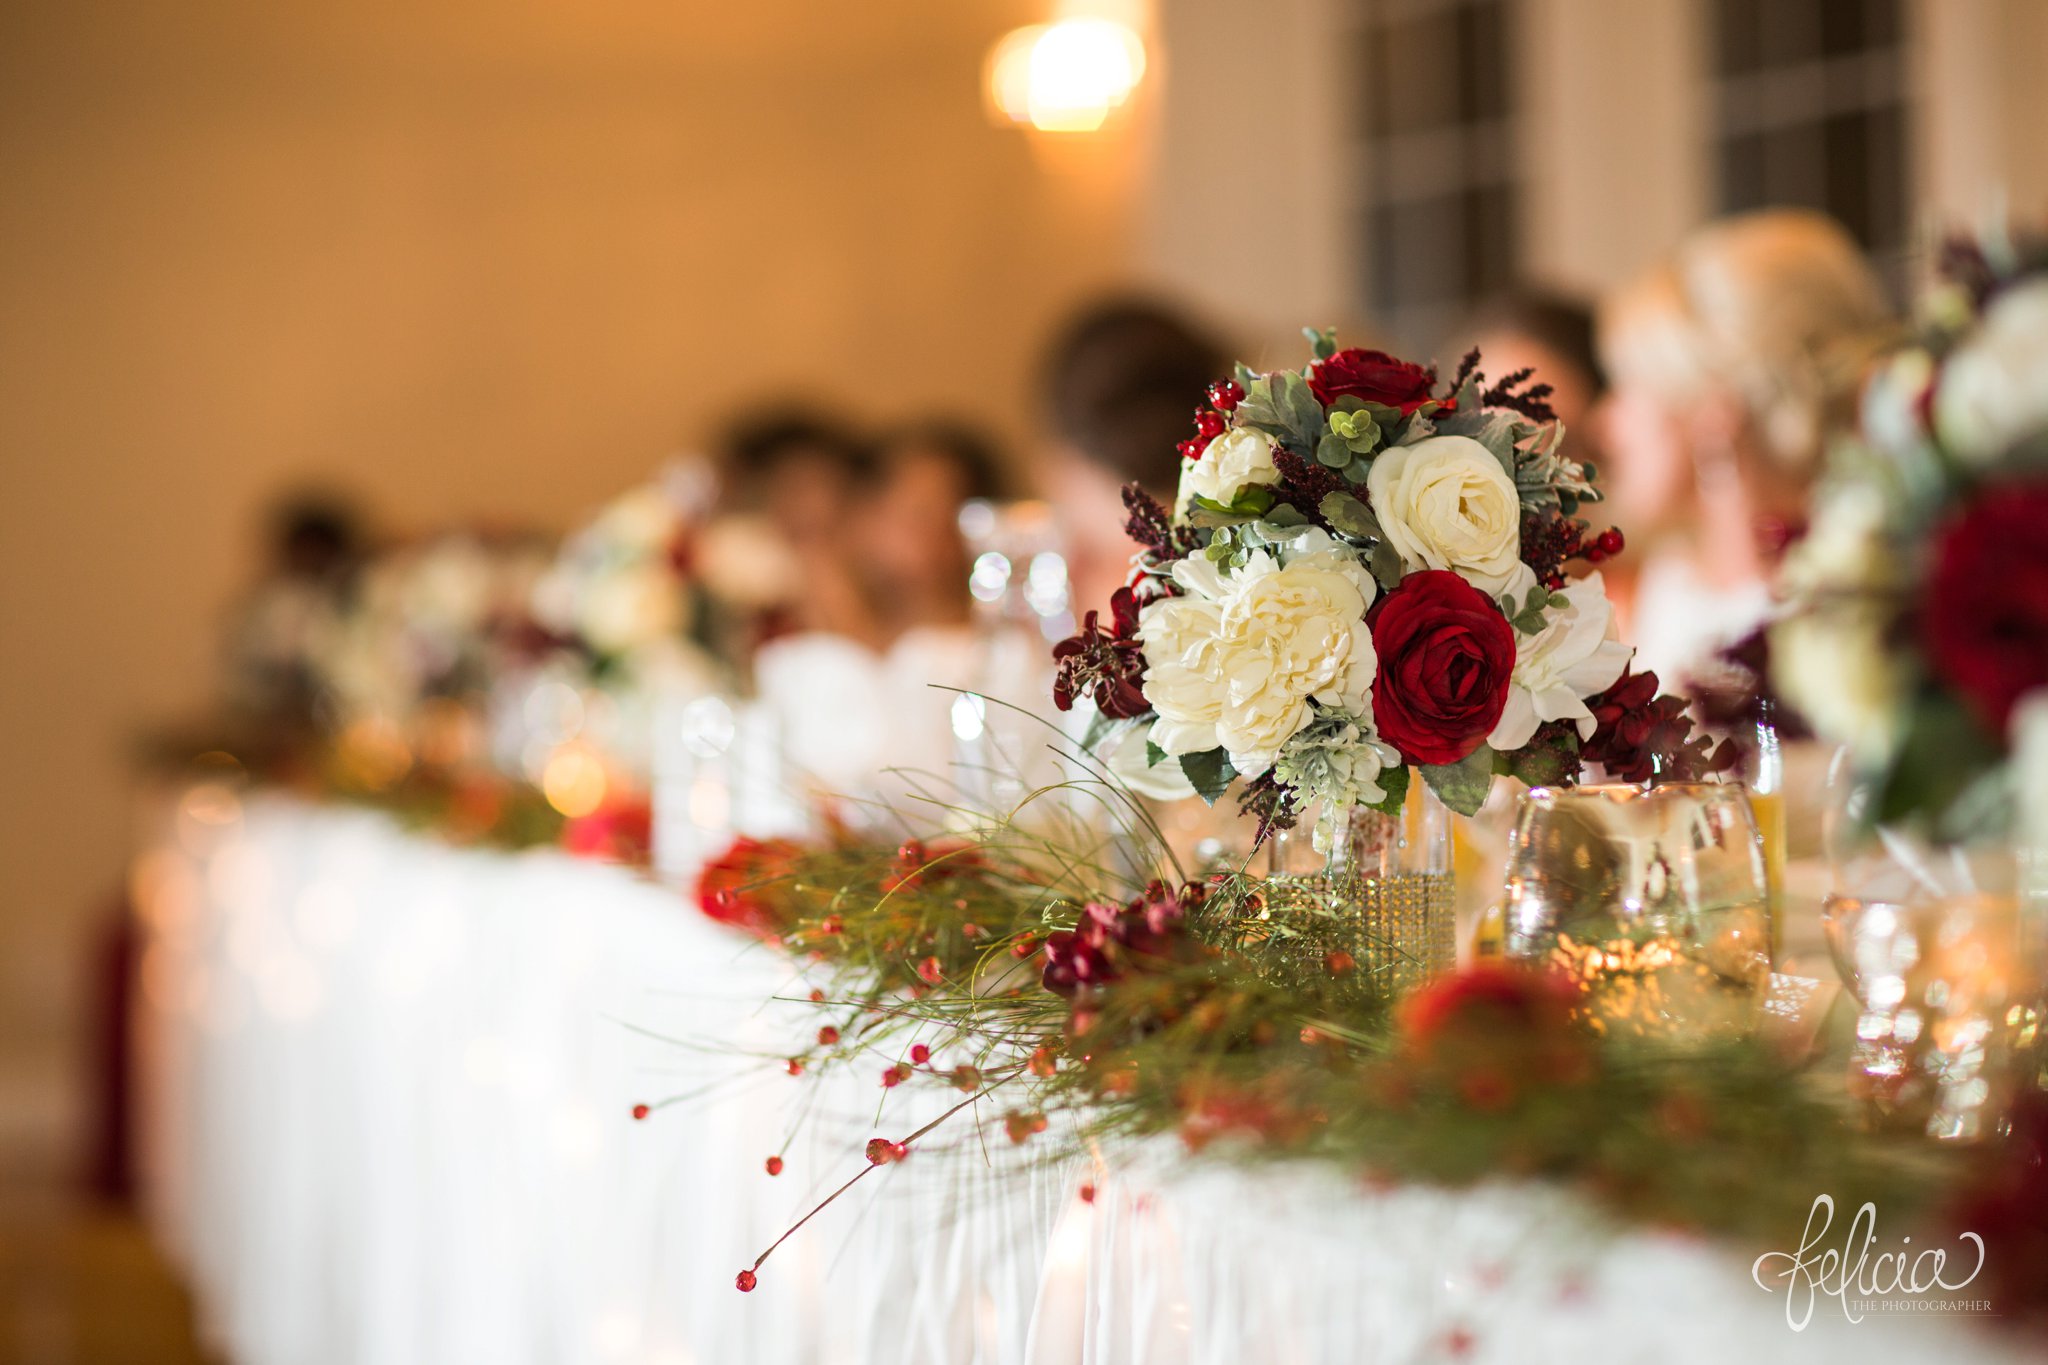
(1209, 773)
(1386, 566)
(1323, 340)
(1350, 516)
(1463, 785)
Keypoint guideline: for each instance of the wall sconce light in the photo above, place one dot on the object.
(1066, 76)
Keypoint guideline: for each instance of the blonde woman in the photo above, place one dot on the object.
(1728, 362)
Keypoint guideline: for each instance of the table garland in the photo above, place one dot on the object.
(966, 964)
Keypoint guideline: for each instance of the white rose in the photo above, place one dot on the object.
(2030, 767)
(1993, 392)
(642, 521)
(1574, 656)
(1844, 547)
(1445, 503)
(1236, 660)
(1232, 462)
(621, 611)
(1832, 665)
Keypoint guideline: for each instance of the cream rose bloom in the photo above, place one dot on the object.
(1236, 660)
(1835, 670)
(1993, 392)
(1445, 503)
(1574, 656)
(623, 610)
(1232, 462)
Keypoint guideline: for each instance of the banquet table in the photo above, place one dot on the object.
(386, 1098)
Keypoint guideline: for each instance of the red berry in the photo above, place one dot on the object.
(1087, 1194)
(746, 1281)
(920, 1054)
(1339, 962)
(796, 1067)
(773, 1165)
(970, 930)
(1024, 947)
(1192, 448)
(1208, 425)
(1042, 1063)
(1554, 582)
(931, 971)
(817, 997)
(910, 853)
(895, 1076)
(1225, 395)
(827, 1036)
(1611, 540)
(966, 1078)
(881, 1151)
(832, 924)
(641, 1111)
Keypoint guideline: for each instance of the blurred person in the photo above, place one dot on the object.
(1121, 383)
(800, 472)
(1729, 362)
(1553, 334)
(912, 554)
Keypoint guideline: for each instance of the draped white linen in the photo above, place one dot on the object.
(386, 1098)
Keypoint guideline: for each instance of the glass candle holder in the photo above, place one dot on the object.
(1654, 900)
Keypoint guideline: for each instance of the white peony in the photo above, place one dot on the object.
(1576, 655)
(1446, 503)
(1235, 660)
(1833, 667)
(1845, 546)
(1993, 391)
(1232, 462)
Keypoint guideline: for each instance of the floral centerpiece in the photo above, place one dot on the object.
(1918, 635)
(1366, 575)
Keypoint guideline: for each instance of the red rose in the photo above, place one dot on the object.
(1985, 619)
(1373, 376)
(1446, 655)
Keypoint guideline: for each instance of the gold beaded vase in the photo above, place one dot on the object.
(1366, 893)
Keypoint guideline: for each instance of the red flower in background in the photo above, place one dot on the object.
(736, 887)
(619, 831)
(1446, 657)
(1985, 619)
(1374, 377)
(1492, 1030)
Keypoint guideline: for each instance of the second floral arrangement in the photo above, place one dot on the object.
(1364, 576)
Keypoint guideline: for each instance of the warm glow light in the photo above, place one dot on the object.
(1065, 77)
(574, 781)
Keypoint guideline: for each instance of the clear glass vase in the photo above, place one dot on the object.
(1654, 900)
(1365, 892)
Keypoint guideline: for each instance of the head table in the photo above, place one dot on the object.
(388, 1085)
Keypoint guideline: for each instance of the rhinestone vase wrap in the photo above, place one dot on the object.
(1365, 892)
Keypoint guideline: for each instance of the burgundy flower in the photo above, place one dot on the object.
(1639, 735)
(1108, 665)
(1446, 657)
(1373, 376)
(1985, 618)
(739, 886)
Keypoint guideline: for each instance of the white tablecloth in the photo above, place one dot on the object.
(387, 1090)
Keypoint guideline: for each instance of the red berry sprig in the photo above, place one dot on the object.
(773, 1165)
(1225, 395)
